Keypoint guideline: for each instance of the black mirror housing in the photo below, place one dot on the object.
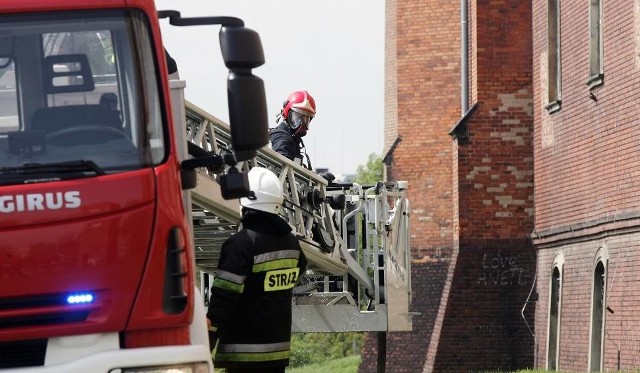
(242, 51)
(188, 179)
(241, 48)
(247, 114)
(234, 184)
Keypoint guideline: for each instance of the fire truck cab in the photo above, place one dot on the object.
(96, 267)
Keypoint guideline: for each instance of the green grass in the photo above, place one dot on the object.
(548, 371)
(347, 364)
(523, 371)
(553, 371)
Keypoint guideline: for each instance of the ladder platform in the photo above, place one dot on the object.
(358, 248)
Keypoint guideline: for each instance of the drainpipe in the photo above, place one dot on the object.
(464, 56)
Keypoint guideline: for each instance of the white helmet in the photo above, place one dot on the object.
(267, 191)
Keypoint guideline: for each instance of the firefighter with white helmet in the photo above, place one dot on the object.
(266, 191)
(250, 306)
(293, 123)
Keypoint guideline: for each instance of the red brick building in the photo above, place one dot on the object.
(587, 189)
(470, 173)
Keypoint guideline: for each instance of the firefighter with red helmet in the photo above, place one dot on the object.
(250, 306)
(293, 123)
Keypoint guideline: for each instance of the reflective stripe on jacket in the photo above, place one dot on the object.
(256, 353)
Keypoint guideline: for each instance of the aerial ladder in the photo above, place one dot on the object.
(355, 237)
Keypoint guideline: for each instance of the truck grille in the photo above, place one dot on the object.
(22, 353)
(39, 310)
(43, 319)
(32, 301)
(33, 311)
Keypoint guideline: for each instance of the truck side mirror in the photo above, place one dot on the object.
(242, 51)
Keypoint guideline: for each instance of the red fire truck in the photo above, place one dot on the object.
(96, 262)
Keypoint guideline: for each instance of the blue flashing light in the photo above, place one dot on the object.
(80, 298)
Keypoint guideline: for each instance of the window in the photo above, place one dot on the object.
(8, 98)
(553, 52)
(78, 88)
(555, 297)
(596, 45)
(97, 46)
(597, 315)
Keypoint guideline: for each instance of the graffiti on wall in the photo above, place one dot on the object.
(504, 270)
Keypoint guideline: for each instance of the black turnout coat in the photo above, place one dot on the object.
(283, 141)
(251, 296)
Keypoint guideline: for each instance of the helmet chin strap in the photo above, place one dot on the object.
(299, 132)
(303, 150)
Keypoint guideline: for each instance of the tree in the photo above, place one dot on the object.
(372, 172)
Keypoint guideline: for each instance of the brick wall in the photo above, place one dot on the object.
(406, 350)
(421, 81)
(493, 274)
(588, 165)
(426, 66)
(587, 169)
(622, 327)
(390, 76)
(482, 328)
(476, 223)
(495, 168)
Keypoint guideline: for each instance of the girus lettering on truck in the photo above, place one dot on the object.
(40, 201)
(97, 264)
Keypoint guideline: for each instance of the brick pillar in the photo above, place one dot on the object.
(422, 75)
(495, 262)
(406, 351)
(472, 198)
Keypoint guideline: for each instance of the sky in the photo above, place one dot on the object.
(332, 48)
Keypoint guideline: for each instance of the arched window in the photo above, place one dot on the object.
(555, 302)
(598, 311)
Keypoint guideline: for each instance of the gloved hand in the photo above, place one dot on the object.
(213, 335)
(328, 176)
(213, 340)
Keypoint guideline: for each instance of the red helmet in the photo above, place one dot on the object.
(301, 102)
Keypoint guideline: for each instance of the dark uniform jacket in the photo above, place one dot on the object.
(283, 142)
(251, 296)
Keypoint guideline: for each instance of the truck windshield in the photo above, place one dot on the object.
(78, 87)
